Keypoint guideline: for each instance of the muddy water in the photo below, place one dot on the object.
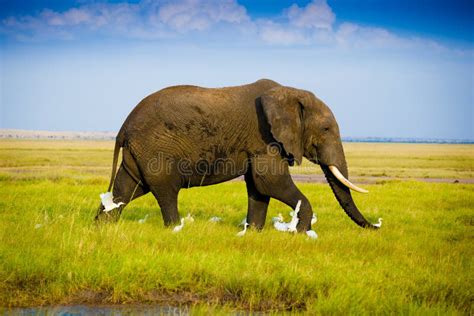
(80, 310)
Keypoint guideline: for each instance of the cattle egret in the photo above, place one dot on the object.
(215, 219)
(379, 224)
(107, 200)
(189, 218)
(143, 220)
(294, 219)
(312, 234)
(278, 218)
(179, 227)
(241, 233)
(281, 226)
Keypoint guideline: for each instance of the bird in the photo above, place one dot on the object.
(242, 232)
(314, 219)
(143, 220)
(107, 200)
(294, 220)
(189, 218)
(278, 218)
(379, 224)
(311, 234)
(215, 219)
(281, 226)
(179, 227)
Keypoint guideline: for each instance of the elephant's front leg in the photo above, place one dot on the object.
(257, 204)
(280, 186)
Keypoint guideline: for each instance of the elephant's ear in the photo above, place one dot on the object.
(284, 114)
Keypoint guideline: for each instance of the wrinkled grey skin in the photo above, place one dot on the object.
(186, 136)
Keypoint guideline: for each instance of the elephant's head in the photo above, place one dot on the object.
(306, 127)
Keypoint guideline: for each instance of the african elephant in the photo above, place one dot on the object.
(186, 136)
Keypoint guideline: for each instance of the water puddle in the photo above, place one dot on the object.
(80, 310)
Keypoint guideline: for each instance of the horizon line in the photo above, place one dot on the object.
(13, 133)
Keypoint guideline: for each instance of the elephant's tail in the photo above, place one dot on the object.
(118, 145)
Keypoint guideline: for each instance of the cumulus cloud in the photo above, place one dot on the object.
(146, 19)
(200, 15)
(311, 25)
(315, 25)
(317, 14)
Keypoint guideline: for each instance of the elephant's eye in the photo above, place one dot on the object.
(326, 129)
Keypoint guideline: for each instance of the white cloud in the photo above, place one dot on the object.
(274, 33)
(146, 19)
(317, 14)
(313, 25)
(200, 15)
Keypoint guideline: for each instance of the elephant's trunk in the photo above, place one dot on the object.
(344, 197)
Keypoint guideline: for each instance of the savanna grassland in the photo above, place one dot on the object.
(421, 261)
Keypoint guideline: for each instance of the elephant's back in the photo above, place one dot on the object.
(184, 98)
(190, 105)
(193, 121)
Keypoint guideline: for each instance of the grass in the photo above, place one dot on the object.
(79, 159)
(420, 261)
(405, 160)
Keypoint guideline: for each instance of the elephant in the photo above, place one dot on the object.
(186, 136)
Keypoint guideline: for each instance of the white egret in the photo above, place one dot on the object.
(294, 219)
(143, 220)
(278, 218)
(189, 218)
(311, 234)
(281, 226)
(179, 227)
(242, 232)
(379, 224)
(107, 200)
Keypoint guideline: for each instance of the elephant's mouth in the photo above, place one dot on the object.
(312, 154)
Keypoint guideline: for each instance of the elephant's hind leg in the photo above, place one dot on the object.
(167, 197)
(257, 204)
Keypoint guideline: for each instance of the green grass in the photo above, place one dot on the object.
(79, 159)
(420, 262)
(405, 160)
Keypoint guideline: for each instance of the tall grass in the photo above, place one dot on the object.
(51, 252)
(65, 159)
(420, 261)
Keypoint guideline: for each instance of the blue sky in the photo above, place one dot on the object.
(386, 68)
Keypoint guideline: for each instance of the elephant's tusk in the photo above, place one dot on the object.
(344, 181)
